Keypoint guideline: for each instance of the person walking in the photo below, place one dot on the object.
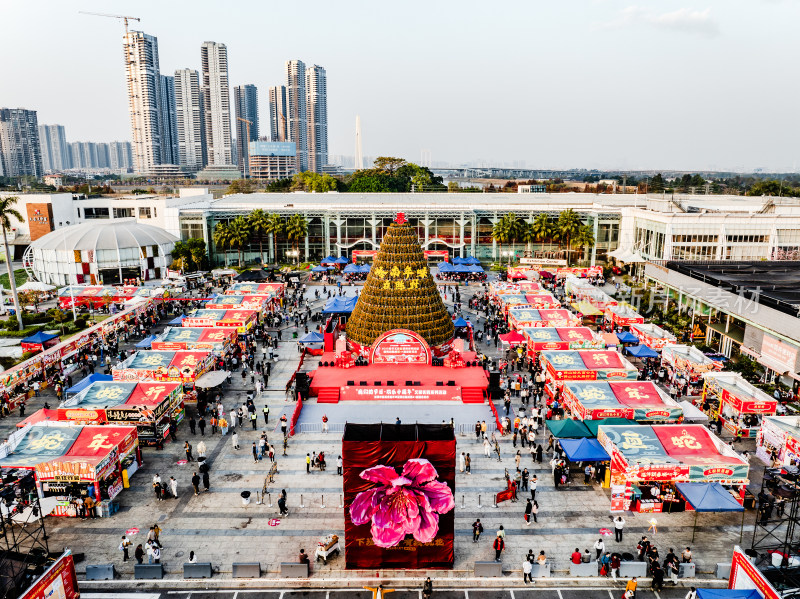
(498, 545)
(253, 420)
(599, 547)
(206, 482)
(265, 410)
(235, 439)
(619, 525)
(196, 483)
(255, 453)
(201, 424)
(468, 464)
(139, 554)
(188, 448)
(324, 423)
(282, 503)
(156, 554)
(124, 545)
(528, 511)
(427, 588)
(173, 486)
(527, 567)
(477, 529)
(462, 461)
(532, 483)
(630, 587)
(192, 424)
(339, 465)
(308, 463)
(487, 448)
(535, 510)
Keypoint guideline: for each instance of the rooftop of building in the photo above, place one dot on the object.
(775, 284)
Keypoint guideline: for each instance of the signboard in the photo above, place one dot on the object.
(782, 355)
(400, 346)
(59, 582)
(401, 393)
(543, 261)
(745, 576)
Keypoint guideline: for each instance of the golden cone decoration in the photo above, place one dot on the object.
(400, 293)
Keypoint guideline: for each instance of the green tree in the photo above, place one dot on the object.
(567, 227)
(507, 230)
(276, 224)
(222, 239)
(542, 227)
(310, 181)
(241, 186)
(657, 183)
(59, 317)
(585, 237)
(280, 186)
(7, 212)
(259, 225)
(296, 228)
(181, 254)
(388, 164)
(240, 236)
(197, 251)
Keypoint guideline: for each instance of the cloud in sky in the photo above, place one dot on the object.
(685, 20)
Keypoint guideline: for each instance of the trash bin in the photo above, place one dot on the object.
(245, 497)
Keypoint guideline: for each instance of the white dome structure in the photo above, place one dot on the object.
(100, 252)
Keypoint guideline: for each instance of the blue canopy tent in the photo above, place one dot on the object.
(340, 305)
(177, 320)
(365, 268)
(458, 260)
(584, 450)
(710, 497)
(40, 338)
(78, 387)
(329, 260)
(320, 269)
(475, 268)
(626, 337)
(471, 260)
(146, 342)
(446, 267)
(351, 268)
(312, 337)
(341, 260)
(461, 268)
(460, 322)
(640, 351)
(568, 429)
(728, 594)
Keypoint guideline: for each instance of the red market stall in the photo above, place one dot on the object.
(623, 315)
(97, 458)
(272, 289)
(513, 338)
(217, 340)
(559, 338)
(779, 439)
(97, 296)
(578, 271)
(515, 273)
(261, 303)
(521, 317)
(39, 342)
(360, 254)
(647, 462)
(502, 287)
(179, 366)
(148, 406)
(538, 300)
(653, 336)
(739, 405)
(687, 361)
(584, 365)
(642, 401)
(595, 297)
(242, 320)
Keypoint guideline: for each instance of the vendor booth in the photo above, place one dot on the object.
(642, 401)
(515, 273)
(261, 303)
(521, 317)
(242, 320)
(217, 340)
(579, 271)
(271, 289)
(97, 296)
(540, 300)
(179, 366)
(539, 339)
(508, 287)
(584, 365)
(738, 404)
(39, 342)
(688, 362)
(623, 315)
(596, 297)
(779, 439)
(95, 461)
(648, 461)
(148, 406)
(653, 336)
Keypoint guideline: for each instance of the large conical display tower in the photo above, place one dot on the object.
(400, 293)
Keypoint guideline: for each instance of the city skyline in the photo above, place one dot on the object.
(605, 75)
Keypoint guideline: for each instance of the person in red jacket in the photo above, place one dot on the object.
(499, 544)
(576, 556)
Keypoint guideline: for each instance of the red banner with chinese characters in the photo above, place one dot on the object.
(636, 393)
(59, 582)
(662, 473)
(445, 393)
(368, 446)
(689, 440)
(601, 359)
(400, 346)
(744, 575)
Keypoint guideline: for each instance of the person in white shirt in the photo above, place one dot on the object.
(619, 524)
(526, 571)
(599, 547)
(173, 486)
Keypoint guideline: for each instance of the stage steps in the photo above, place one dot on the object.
(328, 395)
(472, 395)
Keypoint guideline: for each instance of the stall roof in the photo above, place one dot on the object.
(146, 342)
(311, 337)
(39, 337)
(709, 497)
(211, 379)
(584, 450)
(40, 444)
(728, 594)
(177, 320)
(640, 351)
(41, 415)
(692, 413)
(92, 378)
(460, 322)
(513, 338)
(340, 304)
(610, 338)
(626, 337)
(593, 425)
(586, 308)
(568, 429)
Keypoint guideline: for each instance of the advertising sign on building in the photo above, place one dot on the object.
(778, 356)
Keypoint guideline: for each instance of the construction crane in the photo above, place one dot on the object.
(246, 146)
(103, 14)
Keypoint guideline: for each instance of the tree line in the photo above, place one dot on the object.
(568, 229)
(259, 225)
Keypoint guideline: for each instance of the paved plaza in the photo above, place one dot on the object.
(221, 530)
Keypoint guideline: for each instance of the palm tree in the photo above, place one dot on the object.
(296, 228)
(240, 235)
(542, 227)
(275, 225)
(500, 234)
(259, 222)
(567, 227)
(527, 235)
(7, 211)
(585, 237)
(222, 238)
(508, 229)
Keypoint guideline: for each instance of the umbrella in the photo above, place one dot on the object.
(546, 274)
(605, 532)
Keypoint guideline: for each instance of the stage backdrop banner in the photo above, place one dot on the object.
(366, 446)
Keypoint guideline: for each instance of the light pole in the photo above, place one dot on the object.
(66, 276)
(293, 254)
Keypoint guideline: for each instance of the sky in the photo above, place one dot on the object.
(606, 84)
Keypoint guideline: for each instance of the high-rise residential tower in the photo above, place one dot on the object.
(217, 103)
(20, 152)
(144, 99)
(246, 100)
(54, 149)
(278, 113)
(316, 118)
(191, 125)
(120, 155)
(169, 121)
(296, 104)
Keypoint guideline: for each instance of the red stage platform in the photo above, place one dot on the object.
(330, 384)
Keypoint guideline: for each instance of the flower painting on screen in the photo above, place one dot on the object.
(402, 504)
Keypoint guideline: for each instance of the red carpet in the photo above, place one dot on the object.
(328, 382)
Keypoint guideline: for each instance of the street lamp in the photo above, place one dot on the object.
(293, 254)
(66, 275)
(508, 253)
